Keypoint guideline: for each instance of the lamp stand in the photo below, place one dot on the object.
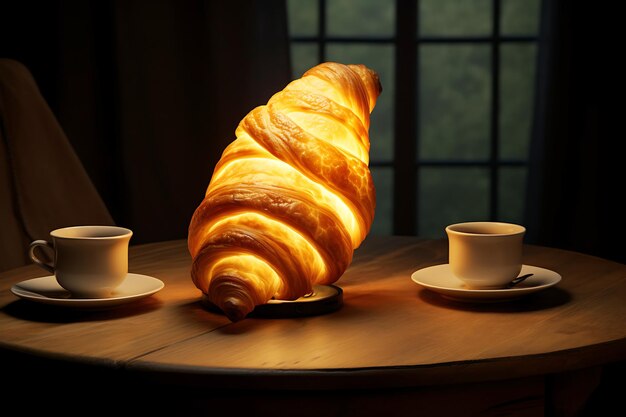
(324, 299)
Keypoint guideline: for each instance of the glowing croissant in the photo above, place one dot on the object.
(292, 196)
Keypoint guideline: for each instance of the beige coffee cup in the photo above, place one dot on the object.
(485, 254)
(89, 261)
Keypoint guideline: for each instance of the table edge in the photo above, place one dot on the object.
(404, 376)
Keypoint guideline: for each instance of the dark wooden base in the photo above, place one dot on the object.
(325, 299)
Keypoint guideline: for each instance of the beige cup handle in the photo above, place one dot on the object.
(31, 253)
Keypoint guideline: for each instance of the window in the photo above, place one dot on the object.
(450, 132)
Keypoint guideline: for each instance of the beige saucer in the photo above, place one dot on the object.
(439, 278)
(46, 290)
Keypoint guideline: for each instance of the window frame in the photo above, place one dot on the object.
(407, 163)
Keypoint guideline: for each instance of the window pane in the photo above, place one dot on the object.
(517, 88)
(451, 195)
(454, 99)
(454, 17)
(512, 192)
(380, 59)
(303, 17)
(303, 57)
(360, 18)
(383, 219)
(520, 17)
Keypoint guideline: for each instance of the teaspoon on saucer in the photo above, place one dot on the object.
(518, 280)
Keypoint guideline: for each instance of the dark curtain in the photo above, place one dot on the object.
(149, 93)
(43, 185)
(576, 177)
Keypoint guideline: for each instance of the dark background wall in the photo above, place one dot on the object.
(150, 93)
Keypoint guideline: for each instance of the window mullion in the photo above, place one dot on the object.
(406, 62)
(495, 113)
(321, 31)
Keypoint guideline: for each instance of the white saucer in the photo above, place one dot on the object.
(439, 278)
(46, 290)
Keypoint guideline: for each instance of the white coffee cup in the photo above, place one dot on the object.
(89, 261)
(485, 254)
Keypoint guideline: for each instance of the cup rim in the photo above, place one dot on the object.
(516, 229)
(116, 232)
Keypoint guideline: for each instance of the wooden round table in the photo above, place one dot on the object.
(393, 347)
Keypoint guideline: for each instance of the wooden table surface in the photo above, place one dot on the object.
(389, 333)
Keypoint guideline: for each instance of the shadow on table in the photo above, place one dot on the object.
(549, 298)
(218, 322)
(197, 312)
(25, 310)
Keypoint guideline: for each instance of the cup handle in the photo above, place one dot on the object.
(31, 253)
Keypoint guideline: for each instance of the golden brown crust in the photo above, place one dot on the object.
(317, 159)
(292, 196)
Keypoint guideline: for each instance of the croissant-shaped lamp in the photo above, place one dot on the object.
(292, 196)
